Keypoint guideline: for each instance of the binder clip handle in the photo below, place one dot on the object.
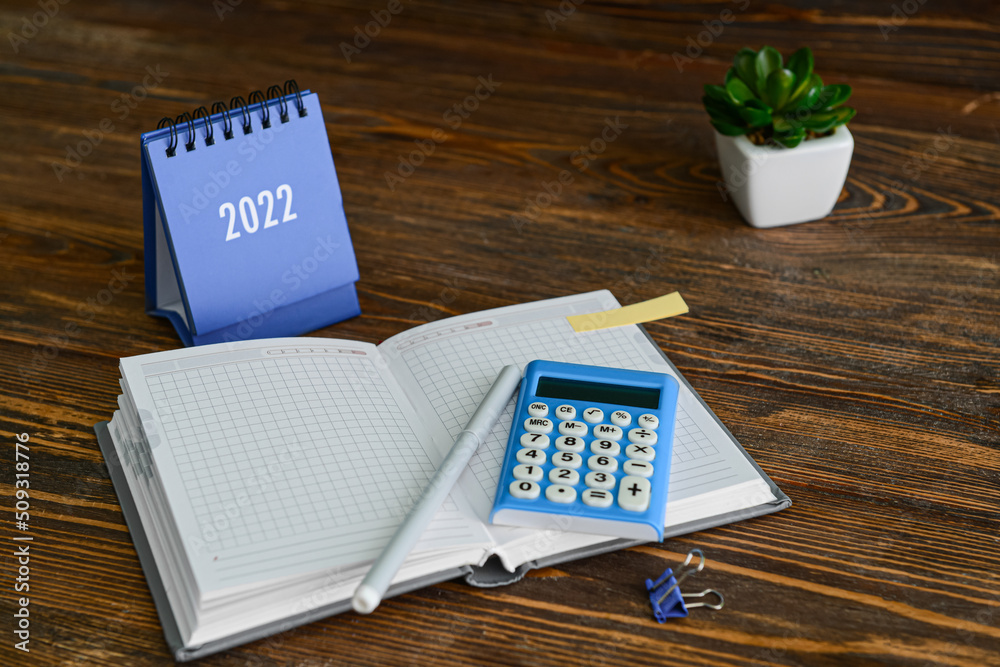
(665, 595)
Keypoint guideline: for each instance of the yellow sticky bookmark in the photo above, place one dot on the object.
(659, 308)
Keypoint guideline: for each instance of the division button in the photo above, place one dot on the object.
(642, 436)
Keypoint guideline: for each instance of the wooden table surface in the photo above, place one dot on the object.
(855, 358)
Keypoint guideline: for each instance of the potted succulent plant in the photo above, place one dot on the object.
(781, 136)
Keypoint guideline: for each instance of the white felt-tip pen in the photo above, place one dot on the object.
(371, 589)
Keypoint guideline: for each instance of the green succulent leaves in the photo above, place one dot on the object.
(785, 100)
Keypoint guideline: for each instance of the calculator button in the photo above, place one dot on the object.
(538, 410)
(567, 460)
(621, 418)
(599, 480)
(524, 490)
(642, 436)
(559, 493)
(569, 443)
(564, 476)
(538, 425)
(566, 412)
(640, 452)
(597, 498)
(536, 440)
(649, 421)
(573, 428)
(638, 468)
(535, 456)
(605, 447)
(607, 432)
(593, 415)
(634, 494)
(602, 463)
(531, 473)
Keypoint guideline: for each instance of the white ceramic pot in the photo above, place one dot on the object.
(774, 186)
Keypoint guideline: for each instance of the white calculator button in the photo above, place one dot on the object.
(640, 452)
(524, 490)
(564, 476)
(607, 432)
(602, 463)
(567, 460)
(536, 440)
(599, 480)
(566, 412)
(605, 447)
(638, 468)
(531, 473)
(643, 436)
(538, 425)
(531, 456)
(538, 410)
(634, 493)
(593, 415)
(597, 498)
(649, 421)
(572, 428)
(569, 443)
(558, 493)
(621, 418)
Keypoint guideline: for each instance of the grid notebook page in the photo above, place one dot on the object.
(454, 362)
(279, 461)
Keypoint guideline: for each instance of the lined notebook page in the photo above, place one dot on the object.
(281, 459)
(453, 363)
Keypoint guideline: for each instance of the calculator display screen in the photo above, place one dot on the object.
(598, 392)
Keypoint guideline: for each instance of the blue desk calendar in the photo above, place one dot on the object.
(245, 232)
(589, 451)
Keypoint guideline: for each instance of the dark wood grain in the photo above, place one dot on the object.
(856, 358)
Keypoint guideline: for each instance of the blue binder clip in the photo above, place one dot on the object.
(665, 594)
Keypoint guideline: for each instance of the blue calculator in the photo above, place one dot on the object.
(589, 451)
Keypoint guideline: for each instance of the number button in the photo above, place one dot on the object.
(531, 456)
(642, 436)
(536, 440)
(593, 415)
(572, 428)
(566, 412)
(538, 410)
(529, 473)
(564, 476)
(559, 493)
(608, 432)
(569, 443)
(524, 490)
(649, 421)
(567, 460)
(640, 452)
(538, 425)
(621, 418)
(634, 494)
(602, 463)
(605, 447)
(599, 480)
(596, 498)
(638, 468)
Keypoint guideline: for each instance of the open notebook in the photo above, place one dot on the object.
(260, 479)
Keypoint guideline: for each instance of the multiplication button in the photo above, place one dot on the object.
(640, 452)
